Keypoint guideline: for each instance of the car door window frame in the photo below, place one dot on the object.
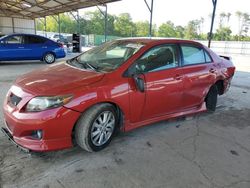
(21, 40)
(131, 70)
(29, 39)
(194, 46)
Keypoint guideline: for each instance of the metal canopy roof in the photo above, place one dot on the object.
(41, 8)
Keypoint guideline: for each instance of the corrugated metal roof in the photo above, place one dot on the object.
(41, 8)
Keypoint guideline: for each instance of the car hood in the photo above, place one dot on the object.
(57, 79)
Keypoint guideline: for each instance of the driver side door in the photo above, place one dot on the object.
(12, 48)
(159, 67)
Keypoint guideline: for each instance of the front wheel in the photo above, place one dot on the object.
(96, 127)
(211, 98)
(49, 58)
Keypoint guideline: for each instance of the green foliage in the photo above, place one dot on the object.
(191, 30)
(94, 23)
(141, 28)
(123, 26)
(68, 25)
(223, 33)
(179, 30)
(167, 30)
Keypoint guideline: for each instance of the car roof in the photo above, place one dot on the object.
(25, 34)
(149, 40)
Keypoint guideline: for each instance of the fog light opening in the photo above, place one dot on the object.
(38, 134)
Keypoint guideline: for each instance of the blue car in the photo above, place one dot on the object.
(29, 47)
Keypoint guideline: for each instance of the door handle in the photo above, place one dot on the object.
(212, 70)
(20, 47)
(44, 47)
(178, 77)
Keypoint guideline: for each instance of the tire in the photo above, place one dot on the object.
(91, 128)
(49, 58)
(211, 98)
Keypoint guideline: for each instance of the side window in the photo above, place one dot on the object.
(208, 58)
(158, 58)
(193, 55)
(14, 40)
(34, 40)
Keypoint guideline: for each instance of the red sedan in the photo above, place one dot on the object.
(120, 85)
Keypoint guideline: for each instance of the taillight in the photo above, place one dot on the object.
(60, 45)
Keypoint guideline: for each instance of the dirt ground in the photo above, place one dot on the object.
(205, 151)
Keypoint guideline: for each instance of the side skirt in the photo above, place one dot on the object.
(130, 126)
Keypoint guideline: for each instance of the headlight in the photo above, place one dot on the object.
(43, 103)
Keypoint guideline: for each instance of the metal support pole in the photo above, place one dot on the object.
(105, 14)
(13, 25)
(210, 36)
(35, 25)
(151, 15)
(78, 21)
(105, 24)
(45, 26)
(59, 24)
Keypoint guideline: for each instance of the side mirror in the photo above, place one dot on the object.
(139, 82)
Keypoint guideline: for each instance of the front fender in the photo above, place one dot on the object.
(88, 97)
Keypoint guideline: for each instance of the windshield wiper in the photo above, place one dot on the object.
(90, 66)
(83, 64)
(86, 64)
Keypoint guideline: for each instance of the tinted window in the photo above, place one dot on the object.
(158, 58)
(193, 55)
(14, 40)
(34, 40)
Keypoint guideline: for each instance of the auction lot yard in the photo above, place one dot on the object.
(204, 151)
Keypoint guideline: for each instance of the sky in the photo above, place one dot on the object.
(179, 11)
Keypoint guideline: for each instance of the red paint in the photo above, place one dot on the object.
(168, 93)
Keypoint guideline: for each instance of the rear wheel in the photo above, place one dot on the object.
(49, 58)
(211, 98)
(96, 127)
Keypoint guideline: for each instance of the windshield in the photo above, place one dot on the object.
(108, 56)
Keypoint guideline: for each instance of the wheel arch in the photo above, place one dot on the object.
(47, 53)
(220, 86)
(119, 111)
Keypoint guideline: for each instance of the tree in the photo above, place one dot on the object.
(167, 30)
(223, 15)
(179, 30)
(123, 25)
(244, 22)
(239, 15)
(223, 33)
(141, 28)
(68, 24)
(95, 23)
(228, 18)
(191, 30)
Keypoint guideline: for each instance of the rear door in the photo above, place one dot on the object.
(36, 45)
(199, 73)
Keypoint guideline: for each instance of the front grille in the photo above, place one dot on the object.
(14, 100)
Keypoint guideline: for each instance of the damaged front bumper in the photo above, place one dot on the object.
(10, 138)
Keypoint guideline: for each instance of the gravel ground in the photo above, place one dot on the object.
(204, 151)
